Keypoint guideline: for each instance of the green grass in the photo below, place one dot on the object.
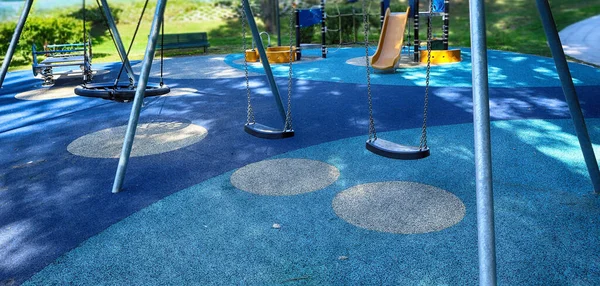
(511, 26)
(515, 25)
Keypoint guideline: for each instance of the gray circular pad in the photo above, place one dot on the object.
(284, 177)
(399, 207)
(47, 93)
(150, 139)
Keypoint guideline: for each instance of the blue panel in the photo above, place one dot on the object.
(438, 6)
(309, 17)
(411, 3)
(386, 4)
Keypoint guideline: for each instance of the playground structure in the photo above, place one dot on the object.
(440, 53)
(307, 18)
(62, 55)
(302, 18)
(481, 111)
(391, 40)
(275, 55)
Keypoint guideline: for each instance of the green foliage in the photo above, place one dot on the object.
(6, 31)
(96, 16)
(511, 25)
(351, 23)
(40, 31)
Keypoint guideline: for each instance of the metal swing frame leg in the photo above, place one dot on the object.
(118, 41)
(486, 237)
(570, 93)
(15, 40)
(139, 96)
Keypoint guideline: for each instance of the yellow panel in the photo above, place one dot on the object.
(275, 55)
(280, 54)
(442, 57)
(252, 56)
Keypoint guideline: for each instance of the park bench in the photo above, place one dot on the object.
(184, 41)
(62, 55)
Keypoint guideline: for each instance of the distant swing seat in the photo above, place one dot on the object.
(62, 55)
(266, 132)
(396, 151)
(122, 92)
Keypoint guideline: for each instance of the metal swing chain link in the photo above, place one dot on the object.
(250, 112)
(372, 132)
(423, 143)
(288, 116)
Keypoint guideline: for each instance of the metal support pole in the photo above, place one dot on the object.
(446, 27)
(417, 44)
(382, 14)
(118, 42)
(569, 90)
(323, 29)
(483, 157)
(263, 56)
(278, 23)
(340, 24)
(298, 47)
(139, 95)
(353, 25)
(15, 40)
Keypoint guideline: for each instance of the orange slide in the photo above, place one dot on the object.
(390, 41)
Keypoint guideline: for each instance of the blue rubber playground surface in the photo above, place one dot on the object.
(200, 214)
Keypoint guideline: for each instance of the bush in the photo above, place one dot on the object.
(352, 28)
(40, 31)
(96, 16)
(350, 23)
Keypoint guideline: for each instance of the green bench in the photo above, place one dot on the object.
(183, 41)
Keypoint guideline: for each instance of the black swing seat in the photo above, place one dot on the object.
(121, 92)
(266, 132)
(396, 151)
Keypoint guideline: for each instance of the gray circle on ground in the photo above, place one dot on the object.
(150, 139)
(284, 177)
(399, 207)
(47, 93)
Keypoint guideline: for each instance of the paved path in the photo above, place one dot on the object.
(581, 40)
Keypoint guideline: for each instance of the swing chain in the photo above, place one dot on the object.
(372, 132)
(423, 143)
(288, 116)
(250, 112)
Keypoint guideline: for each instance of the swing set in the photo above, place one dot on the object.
(391, 149)
(374, 144)
(252, 127)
